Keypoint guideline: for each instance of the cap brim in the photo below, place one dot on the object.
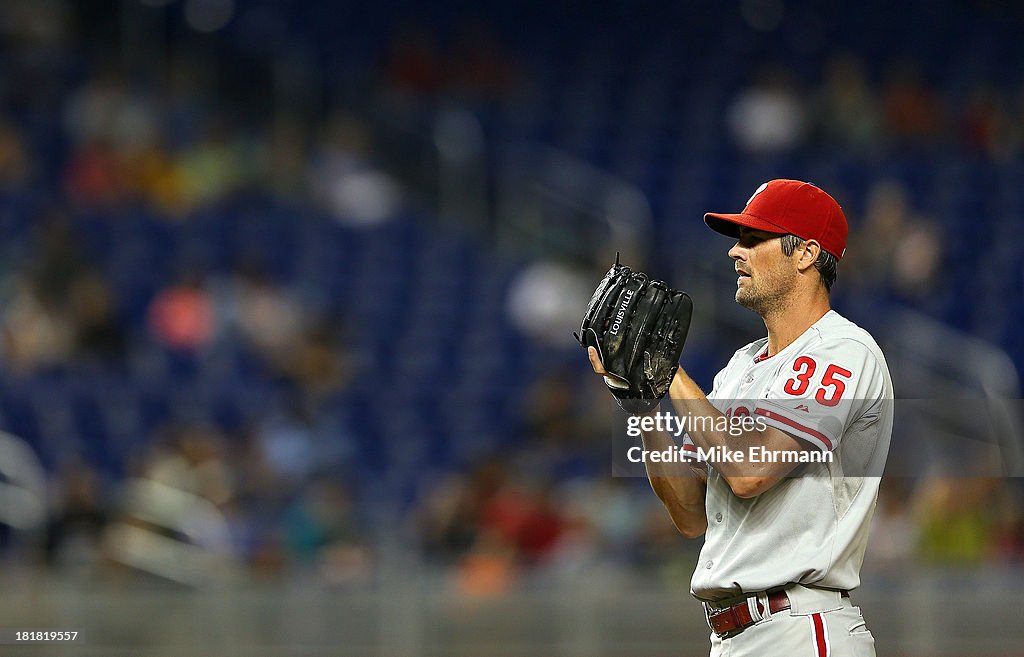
(730, 224)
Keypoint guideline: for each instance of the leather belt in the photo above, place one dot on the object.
(730, 621)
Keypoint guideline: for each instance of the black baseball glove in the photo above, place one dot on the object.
(638, 327)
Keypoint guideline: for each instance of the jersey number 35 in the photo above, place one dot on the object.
(832, 382)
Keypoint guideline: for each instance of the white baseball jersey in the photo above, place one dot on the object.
(831, 389)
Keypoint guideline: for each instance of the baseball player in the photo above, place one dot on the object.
(784, 536)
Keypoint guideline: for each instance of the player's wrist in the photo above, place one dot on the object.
(683, 387)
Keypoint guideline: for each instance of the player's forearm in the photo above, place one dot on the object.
(680, 487)
(746, 477)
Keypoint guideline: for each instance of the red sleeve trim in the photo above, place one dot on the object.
(795, 425)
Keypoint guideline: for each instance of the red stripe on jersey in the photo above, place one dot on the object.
(796, 425)
(820, 642)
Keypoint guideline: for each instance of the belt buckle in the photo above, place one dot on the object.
(731, 609)
(708, 613)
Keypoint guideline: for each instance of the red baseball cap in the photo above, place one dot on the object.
(789, 206)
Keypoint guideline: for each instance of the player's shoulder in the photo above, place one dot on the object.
(833, 331)
(741, 355)
(751, 350)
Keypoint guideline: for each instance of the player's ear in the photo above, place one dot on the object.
(809, 252)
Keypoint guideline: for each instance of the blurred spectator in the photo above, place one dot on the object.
(582, 543)
(98, 330)
(76, 526)
(986, 127)
(874, 246)
(255, 511)
(553, 415)
(448, 519)
(346, 182)
(193, 462)
(65, 309)
(492, 514)
(318, 366)
(919, 256)
(36, 23)
(211, 168)
(481, 69)
(35, 334)
(894, 536)
(286, 440)
(185, 99)
(1010, 533)
(957, 519)
(610, 514)
(503, 512)
(285, 152)
(157, 178)
(413, 66)
(846, 107)
(182, 316)
(268, 316)
(103, 110)
(15, 164)
(110, 127)
(895, 249)
(660, 552)
(546, 298)
(913, 114)
(95, 177)
(60, 260)
(525, 517)
(490, 568)
(768, 116)
(321, 529)
(171, 522)
(543, 526)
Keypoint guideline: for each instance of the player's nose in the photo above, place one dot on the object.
(737, 252)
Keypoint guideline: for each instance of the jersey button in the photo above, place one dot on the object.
(718, 517)
(709, 564)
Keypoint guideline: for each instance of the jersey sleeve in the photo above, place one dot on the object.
(723, 374)
(819, 392)
(717, 383)
(688, 448)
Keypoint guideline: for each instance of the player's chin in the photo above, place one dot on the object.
(746, 298)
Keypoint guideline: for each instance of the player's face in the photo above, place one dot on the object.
(764, 273)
